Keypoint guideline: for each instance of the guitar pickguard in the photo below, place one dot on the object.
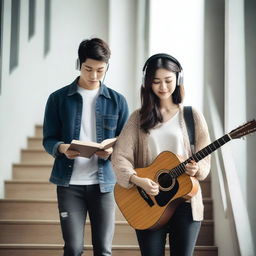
(164, 197)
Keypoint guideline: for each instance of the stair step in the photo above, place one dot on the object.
(41, 172)
(31, 171)
(12, 209)
(56, 250)
(39, 130)
(29, 222)
(206, 187)
(20, 189)
(29, 190)
(35, 156)
(35, 231)
(26, 209)
(35, 143)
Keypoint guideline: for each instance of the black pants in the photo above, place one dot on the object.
(74, 202)
(183, 233)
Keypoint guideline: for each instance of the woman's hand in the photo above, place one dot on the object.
(150, 187)
(104, 154)
(192, 168)
(71, 154)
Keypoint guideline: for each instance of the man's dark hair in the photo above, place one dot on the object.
(94, 48)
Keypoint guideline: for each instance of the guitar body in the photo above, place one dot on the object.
(151, 212)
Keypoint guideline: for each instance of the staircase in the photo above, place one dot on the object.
(29, 222)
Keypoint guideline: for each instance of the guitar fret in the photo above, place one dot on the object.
(199, 153)
(177, 172)
(218, 142)
(212, 149)
(205, 152)
(180, 169)
(223, 140)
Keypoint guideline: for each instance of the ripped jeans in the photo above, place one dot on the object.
(74, 202)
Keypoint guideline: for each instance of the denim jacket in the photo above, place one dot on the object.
(62, 122)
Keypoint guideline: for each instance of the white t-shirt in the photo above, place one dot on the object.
(85, 169)
(167, 136)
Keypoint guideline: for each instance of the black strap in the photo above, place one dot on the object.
(189, 119)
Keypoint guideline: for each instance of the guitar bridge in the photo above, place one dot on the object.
(145, 196)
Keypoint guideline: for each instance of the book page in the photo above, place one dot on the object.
(87, 149)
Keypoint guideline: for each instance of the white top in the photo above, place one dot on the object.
(85, 169)
(167, 136)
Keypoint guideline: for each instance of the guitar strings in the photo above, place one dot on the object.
(180, 169)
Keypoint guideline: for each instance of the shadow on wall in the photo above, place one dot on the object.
(250, 63)
(15, 33)
(214, 35)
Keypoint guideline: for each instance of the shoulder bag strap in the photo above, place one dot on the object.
(189, 120)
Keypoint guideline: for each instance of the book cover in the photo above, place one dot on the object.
(88, 148)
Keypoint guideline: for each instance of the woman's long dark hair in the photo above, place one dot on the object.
(150, 114)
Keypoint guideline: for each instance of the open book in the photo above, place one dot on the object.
(87, 149)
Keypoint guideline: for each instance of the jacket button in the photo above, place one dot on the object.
(70, 166)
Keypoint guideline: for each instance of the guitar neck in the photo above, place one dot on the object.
(180, 169)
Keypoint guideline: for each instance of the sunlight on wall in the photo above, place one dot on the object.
(177, 28)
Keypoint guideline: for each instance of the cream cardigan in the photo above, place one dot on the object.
(132, 151)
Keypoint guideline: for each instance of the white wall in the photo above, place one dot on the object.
(122, 40)
(127, 41)
(176, 28)
(235, 100)
(25, 90)
(208, 38)
(250, 56)
(238, 95)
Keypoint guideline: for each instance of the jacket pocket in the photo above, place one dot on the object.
(110, 122)
(109, 125)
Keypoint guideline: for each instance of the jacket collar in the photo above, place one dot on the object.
(73, 89)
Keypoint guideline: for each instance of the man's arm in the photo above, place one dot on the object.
(51, 127)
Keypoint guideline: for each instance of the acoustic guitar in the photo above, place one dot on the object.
(143, 211)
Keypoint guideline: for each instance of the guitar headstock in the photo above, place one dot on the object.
(243, 130)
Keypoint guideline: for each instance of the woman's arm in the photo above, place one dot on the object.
(124, 155)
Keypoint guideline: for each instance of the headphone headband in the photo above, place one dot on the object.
(161, 55)
(169, 57)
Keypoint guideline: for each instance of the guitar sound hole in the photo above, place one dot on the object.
(165, 181)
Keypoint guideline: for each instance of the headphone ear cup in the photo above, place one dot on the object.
(143, 79)
(78, 64)
(180, 78)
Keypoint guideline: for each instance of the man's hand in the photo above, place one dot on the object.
(71, 154)
(104, 154)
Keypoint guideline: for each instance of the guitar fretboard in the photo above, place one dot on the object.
(180, 169)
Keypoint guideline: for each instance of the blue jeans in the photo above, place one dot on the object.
(74, 202)
(183, 233)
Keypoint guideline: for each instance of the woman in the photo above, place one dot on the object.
(159, 126)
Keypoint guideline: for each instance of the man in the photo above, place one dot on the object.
(85, 110)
